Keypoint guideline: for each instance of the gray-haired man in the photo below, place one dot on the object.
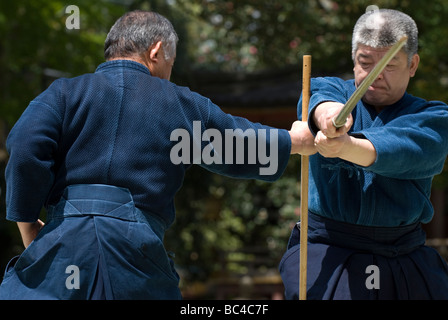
(96, 151)
(370, 188)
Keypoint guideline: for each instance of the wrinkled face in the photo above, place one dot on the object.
(391, 84)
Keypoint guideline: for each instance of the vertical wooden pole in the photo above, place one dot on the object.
(306, 78)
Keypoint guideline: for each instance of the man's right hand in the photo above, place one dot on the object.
(323, 118)
(302, 140)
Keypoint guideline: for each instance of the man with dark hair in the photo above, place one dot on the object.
(97, 152)
(370, 187)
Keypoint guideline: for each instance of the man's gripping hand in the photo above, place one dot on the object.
(323, 118)
(332, 142)
(302, 140)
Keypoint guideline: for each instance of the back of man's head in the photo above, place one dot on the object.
(136, 31)
(383, 28)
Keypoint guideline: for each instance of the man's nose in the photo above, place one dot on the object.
(380, 76)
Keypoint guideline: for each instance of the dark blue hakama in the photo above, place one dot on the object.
(339, 255)
(117, 248)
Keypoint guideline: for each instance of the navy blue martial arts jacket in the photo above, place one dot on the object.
(364, 217)
(114, 127)
(411, 141)
(105, 153)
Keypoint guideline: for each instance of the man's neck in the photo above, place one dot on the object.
(132, 58)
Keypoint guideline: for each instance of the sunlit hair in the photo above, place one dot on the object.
(383, 28)
(136, 31)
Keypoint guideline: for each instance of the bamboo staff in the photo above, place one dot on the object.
(306, 78)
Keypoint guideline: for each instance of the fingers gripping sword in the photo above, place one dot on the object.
(341, 118)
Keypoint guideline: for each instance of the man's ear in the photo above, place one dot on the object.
(154, 51)
(414, 65)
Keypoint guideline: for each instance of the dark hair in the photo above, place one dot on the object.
(136, 31)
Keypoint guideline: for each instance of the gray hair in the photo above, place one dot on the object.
(136, 31)
(383, 28)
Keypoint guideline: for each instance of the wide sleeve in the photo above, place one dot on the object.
(413, 145)
(32, 144)
(325, 90)
(237, 147)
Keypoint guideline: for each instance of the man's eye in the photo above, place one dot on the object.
(365, 65)
(390, 67)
